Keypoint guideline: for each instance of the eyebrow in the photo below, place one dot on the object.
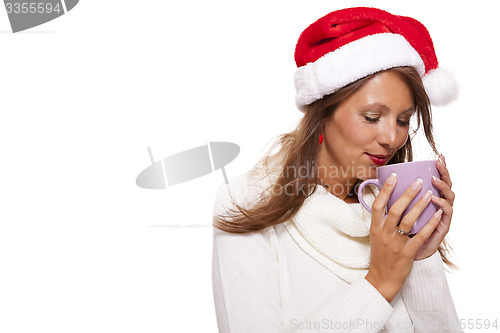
(385, 108)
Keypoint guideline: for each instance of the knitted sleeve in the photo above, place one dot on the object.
(245, 283)
(357, 308)
(244, 277)
(428, 299)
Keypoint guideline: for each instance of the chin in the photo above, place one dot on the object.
(369, 172)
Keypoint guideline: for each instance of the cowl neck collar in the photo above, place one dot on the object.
(335, 233)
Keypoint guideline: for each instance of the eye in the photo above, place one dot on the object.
(370, 119)
(404, 122)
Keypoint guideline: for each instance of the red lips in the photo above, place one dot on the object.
(378, 159)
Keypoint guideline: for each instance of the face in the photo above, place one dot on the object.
(367, 129)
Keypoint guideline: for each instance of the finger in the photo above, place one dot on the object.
(419, 239)
(446, 191)
(443, 159)
(443, 171)
(444, 204)
(409, 220)
(397, 209)
(380, 202)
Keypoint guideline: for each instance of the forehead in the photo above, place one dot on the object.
(387, 90)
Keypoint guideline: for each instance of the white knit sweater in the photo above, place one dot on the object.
(292, 278)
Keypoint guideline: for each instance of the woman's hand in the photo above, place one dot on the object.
(431, 245)
(392, 254)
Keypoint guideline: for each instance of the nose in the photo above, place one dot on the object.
(388, 135)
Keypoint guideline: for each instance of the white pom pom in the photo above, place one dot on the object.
(441, 86)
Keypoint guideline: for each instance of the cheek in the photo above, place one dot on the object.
(362, 134)
(355, 132)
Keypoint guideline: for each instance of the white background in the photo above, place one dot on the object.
(83, 249)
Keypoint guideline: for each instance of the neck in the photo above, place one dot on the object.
(342, 190)
(339, 184)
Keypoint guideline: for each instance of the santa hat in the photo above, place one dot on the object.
(348, 44)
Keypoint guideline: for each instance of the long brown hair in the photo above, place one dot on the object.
(298, 150)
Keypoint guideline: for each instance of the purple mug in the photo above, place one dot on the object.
(407, 173)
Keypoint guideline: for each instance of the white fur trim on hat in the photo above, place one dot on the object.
(441, 86)
(351, 62)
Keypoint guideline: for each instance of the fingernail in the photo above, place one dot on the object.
(416, 184)
(427, 196)
(438, 213)
(437, 180)
(392, 178)
(441, 159)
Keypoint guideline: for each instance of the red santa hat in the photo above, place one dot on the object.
(348, 44)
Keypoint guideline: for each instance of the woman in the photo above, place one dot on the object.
(293, 249)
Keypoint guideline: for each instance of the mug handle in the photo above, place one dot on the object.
(360, 191)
